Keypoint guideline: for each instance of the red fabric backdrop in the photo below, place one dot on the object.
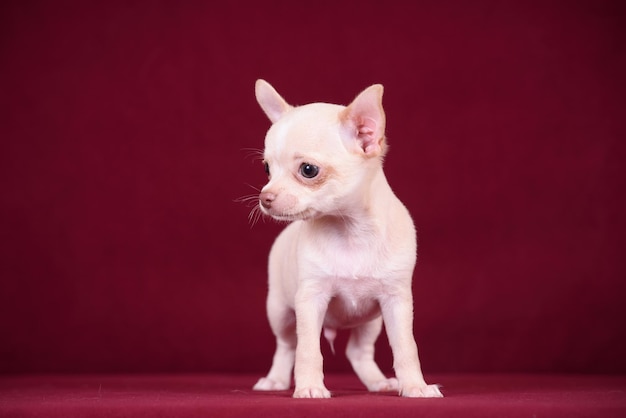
(125, 131)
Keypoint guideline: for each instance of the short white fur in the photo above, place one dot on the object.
(346, 259)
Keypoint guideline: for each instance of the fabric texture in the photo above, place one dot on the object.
(129, 133)
(230, 396)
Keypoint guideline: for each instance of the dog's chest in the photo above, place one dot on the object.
(352, 272)
(351, 300)
(348, 262)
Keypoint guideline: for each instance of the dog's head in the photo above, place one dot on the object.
(319, 156)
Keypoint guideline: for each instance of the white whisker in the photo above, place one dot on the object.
(254, 216)
(253, 187)
(248, 200)
(255, 154)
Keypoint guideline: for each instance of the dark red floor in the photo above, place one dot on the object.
(230, 396)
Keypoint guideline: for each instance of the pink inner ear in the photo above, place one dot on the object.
(366, 135)
(367, 126)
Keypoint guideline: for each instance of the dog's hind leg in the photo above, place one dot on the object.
(283, 323)
(360, 352)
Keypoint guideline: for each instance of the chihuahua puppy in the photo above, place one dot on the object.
(346, 259)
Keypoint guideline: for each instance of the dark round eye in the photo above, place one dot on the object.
(309, 170)
(267, 168)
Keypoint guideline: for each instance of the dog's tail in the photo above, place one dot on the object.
(330, 334)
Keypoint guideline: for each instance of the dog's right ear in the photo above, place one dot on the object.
(365, 119)
(270, 101)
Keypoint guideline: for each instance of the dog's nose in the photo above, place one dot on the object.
(266, 199)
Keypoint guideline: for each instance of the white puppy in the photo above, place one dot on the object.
(349, 252)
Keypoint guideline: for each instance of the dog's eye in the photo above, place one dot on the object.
(309, 170)
(267, 168)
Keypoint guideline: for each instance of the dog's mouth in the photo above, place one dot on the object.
(290, 217)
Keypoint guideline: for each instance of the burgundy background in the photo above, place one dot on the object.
(125, 130)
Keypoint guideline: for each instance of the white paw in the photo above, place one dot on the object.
(268, 384)
(312, 392)
(428, 391)
(385, 385)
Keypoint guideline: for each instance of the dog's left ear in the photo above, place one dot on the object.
(270, 101)
(365, 120)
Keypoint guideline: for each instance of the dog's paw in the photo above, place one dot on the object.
(268, 384)
(319, 392)
(385, 385)
(428, 391)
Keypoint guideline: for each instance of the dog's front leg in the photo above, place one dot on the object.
(398, 317)
(308, 372)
